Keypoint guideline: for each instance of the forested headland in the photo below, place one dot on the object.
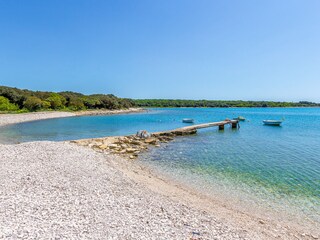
(218, 103)
(23, 100)
(14, 99)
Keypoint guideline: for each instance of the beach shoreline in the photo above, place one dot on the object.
(59, 189)
(208, 217)
(14, 118)
(257, 222)
(269, 225)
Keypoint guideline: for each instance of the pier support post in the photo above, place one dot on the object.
(234, 125)
(221, 127)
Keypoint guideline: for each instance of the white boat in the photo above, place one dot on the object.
(239, 118)
(187, 120)
(272, 122)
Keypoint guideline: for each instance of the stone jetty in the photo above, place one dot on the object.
(131, 146)
(128, 146)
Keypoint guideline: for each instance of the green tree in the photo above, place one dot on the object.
(14, 95)
(5, 105)
(76, 104)
(56, 101)
(45, 104)
(33, 103)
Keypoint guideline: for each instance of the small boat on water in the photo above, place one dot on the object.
(239, 118)
(272, 122)
(188, 120)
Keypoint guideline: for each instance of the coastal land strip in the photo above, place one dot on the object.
(64, 190)
(6, 119)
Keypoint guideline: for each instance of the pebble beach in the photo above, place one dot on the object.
(6, 119)
(60, 190)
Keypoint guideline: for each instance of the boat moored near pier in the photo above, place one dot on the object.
(272, 122)
(188, 120)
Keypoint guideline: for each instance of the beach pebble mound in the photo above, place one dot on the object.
(53, 190)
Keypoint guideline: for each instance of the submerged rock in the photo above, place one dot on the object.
(150, 140)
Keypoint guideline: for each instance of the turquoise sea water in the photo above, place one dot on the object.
(256, 165)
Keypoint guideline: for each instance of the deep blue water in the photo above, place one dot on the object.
(256, 164)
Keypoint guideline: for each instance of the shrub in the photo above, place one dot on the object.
(76, 104)
(56, 101)
(33, 103)
(14, 95)
(5, 105)
(45, 104)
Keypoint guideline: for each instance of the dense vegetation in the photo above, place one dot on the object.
(18, 100)
(14, 99)
(212, 103)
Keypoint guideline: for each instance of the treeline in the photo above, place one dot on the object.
(14, 99)
(218, 104)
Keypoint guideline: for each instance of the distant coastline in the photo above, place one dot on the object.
(169, 103)
(14, 100)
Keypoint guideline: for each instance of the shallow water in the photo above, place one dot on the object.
(257, 165)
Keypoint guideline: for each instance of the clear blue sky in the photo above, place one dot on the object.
(204, 49)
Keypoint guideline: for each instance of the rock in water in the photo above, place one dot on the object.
(151, 140)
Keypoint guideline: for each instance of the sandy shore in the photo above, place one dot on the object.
(62, 190)
(6, 119)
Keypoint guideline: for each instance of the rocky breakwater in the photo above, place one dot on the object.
(131, 146)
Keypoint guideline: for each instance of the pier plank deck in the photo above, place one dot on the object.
(193, 128)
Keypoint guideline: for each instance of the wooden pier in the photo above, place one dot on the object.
(188, 130)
